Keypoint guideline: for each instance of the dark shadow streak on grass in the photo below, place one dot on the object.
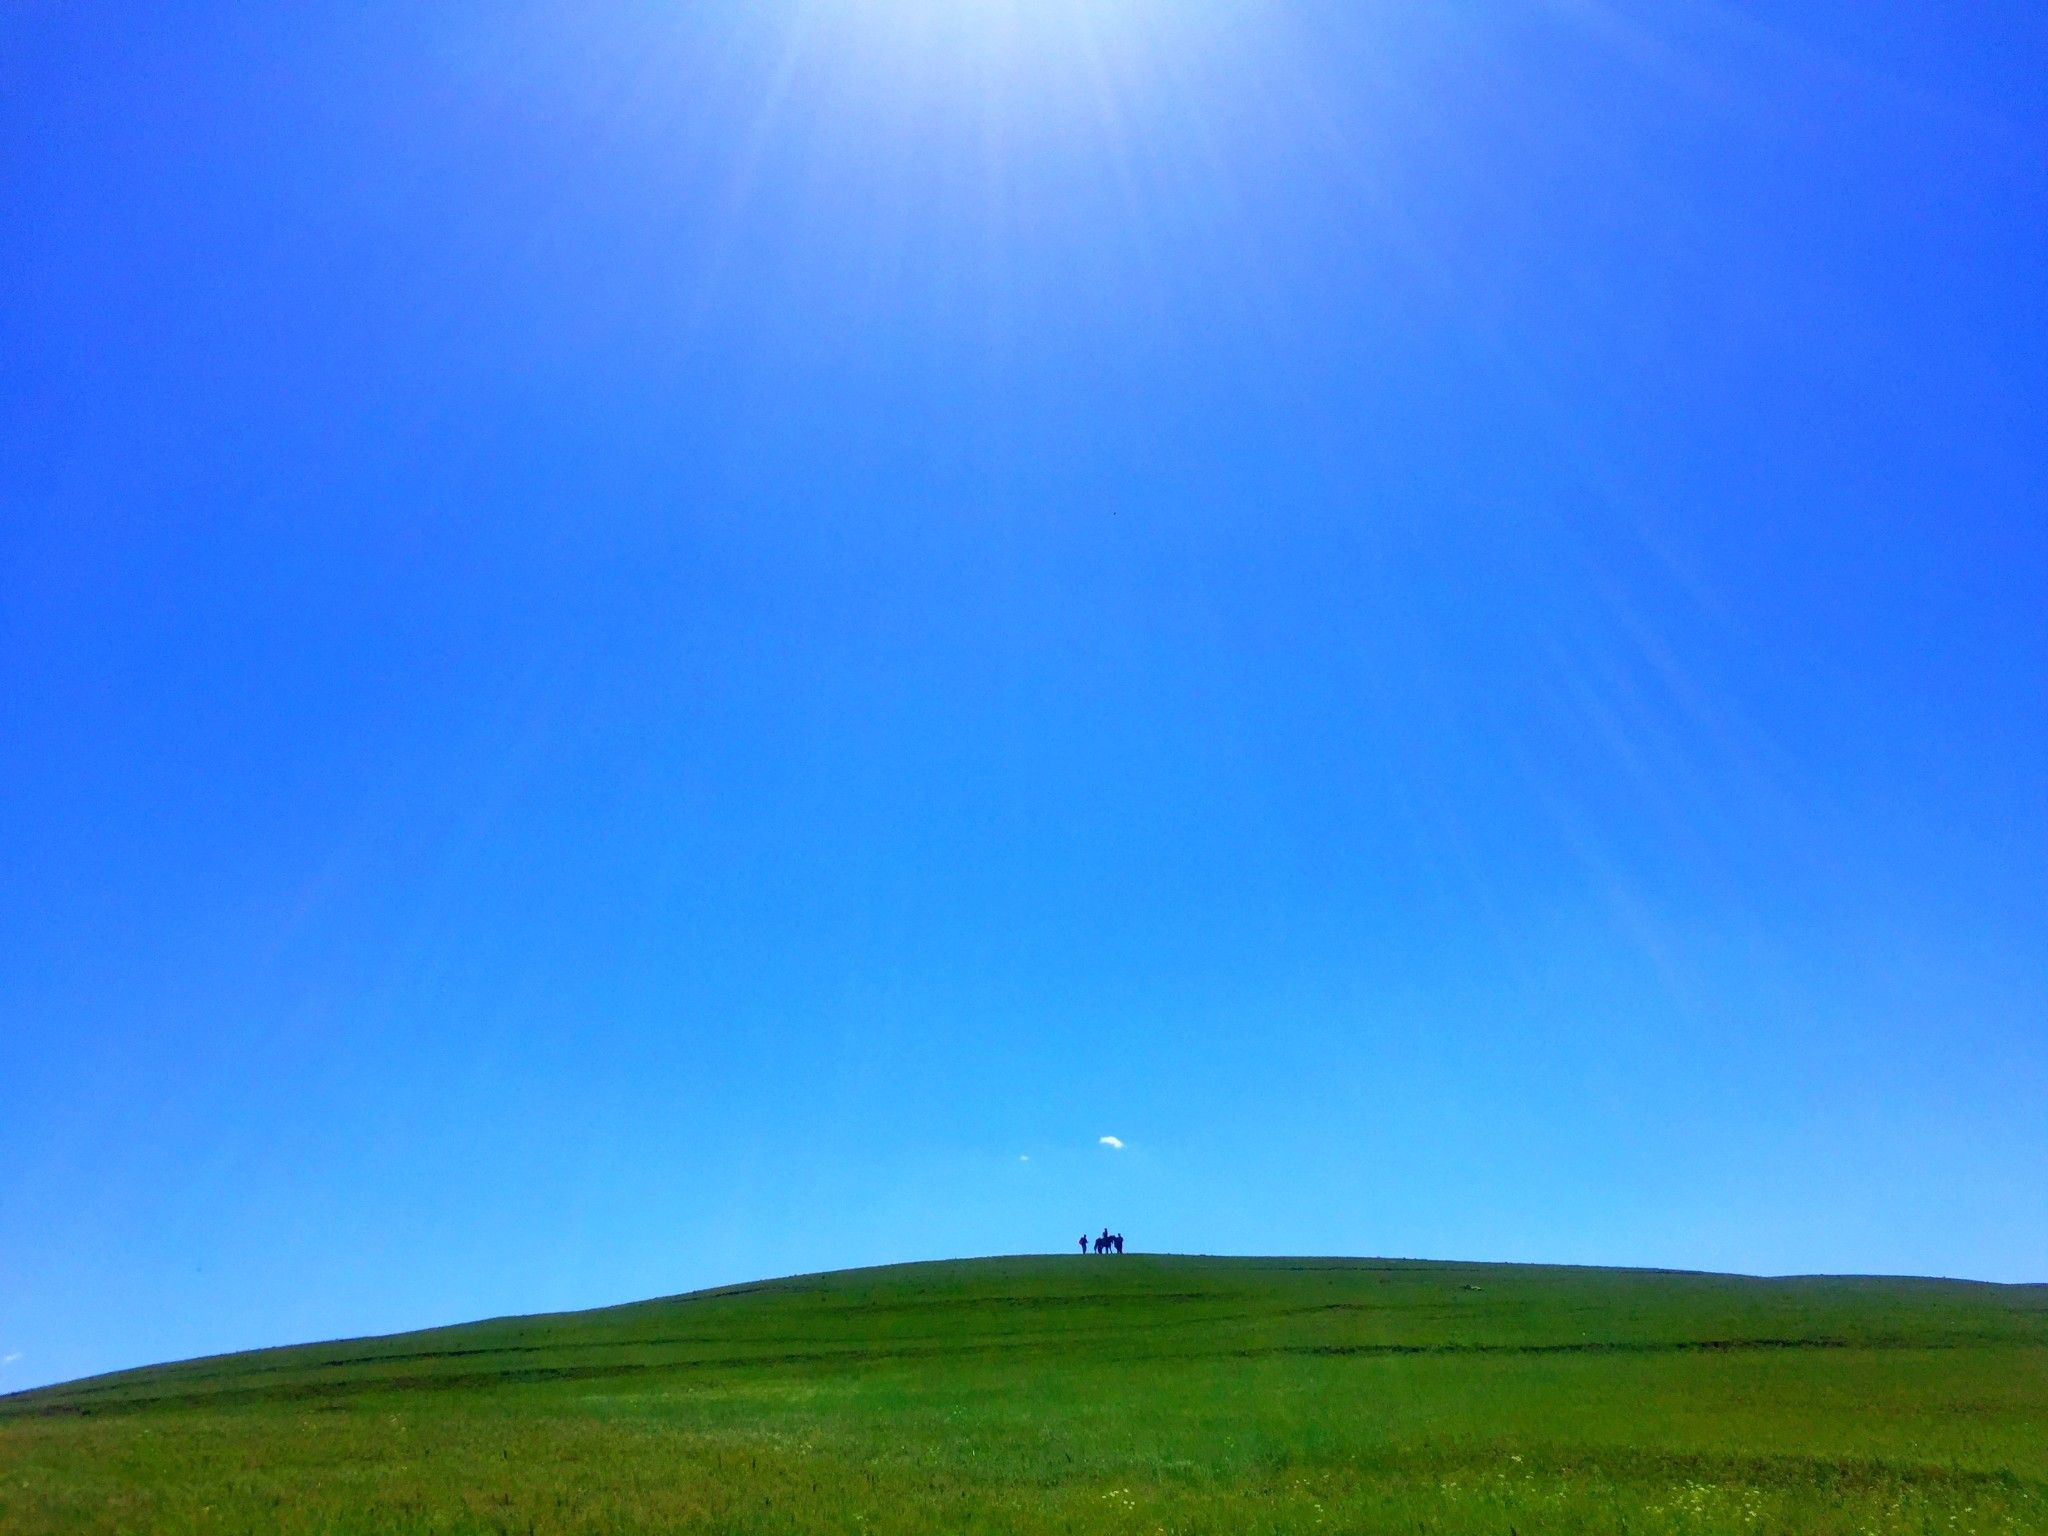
(466, 1380)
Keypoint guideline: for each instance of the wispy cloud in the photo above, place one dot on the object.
(10, 1359)
(1114, 1143)
(1024, 1157)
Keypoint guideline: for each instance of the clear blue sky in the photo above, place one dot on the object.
(647, 644)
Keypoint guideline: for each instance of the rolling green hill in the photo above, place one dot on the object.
(1136, 1394)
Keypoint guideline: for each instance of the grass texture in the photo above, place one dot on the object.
(1147, 1395)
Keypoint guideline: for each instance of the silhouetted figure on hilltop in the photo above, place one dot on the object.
(1084, 1244)
(1119, 1241)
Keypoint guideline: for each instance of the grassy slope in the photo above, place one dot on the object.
(1069, 1394)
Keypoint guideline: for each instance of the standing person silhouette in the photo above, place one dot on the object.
(1084, 1243)
(1119, 1241)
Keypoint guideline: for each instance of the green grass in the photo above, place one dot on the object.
(1138, 1394)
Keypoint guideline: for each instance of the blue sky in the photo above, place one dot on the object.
(644, 645)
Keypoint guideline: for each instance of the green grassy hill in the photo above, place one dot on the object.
(1140, 1394)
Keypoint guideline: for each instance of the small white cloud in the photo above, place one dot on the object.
(10, 1359)
(1114, 1143)
(1024, 1157)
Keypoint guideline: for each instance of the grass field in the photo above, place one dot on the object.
(1140, 1394)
